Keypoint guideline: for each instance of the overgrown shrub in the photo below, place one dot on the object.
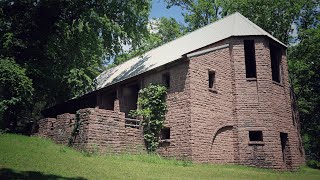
(313, 164)
(152, 108)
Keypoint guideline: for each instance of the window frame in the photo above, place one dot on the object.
(256, 140)
(250, 59)
(276, 57)
(212, 80)
(166, 80)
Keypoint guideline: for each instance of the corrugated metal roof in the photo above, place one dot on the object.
(232, 25)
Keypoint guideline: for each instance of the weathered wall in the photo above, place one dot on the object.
(212, 120)
(222, 117)
(99, 130)
(262, 104)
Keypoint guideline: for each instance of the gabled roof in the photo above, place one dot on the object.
(232, 25)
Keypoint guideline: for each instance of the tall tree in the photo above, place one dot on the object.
(304, 67)
(197, 13)
(63, 44)
(274, 16)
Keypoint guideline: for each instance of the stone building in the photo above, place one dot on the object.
(229, 101)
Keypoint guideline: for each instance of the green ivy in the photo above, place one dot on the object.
(76, 129)
(152, 108)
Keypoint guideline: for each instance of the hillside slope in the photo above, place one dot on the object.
(24, 157)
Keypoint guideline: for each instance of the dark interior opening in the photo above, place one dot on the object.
(107, 100)
(250, 59)
(284, 139)
(276, 54)
(211, 80)
(129, 99)
(166, 80)
(51, 126)
(165, 133)
(255, 136)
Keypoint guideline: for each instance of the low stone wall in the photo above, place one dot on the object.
(93, 130)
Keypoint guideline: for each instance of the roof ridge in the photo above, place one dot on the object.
(260, 29)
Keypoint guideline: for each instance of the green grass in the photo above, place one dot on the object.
(24, 157)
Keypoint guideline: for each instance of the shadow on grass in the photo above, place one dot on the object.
(11, 174)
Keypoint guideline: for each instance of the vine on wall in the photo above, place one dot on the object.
(152, 107)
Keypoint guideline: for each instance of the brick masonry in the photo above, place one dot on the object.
(100, 130)
(207, 125)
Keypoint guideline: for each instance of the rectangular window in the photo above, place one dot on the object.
(166, 80)
(255, 136)
(284, 144)
(250, 59)
(275, 54)
(165, 133)
(212, 76)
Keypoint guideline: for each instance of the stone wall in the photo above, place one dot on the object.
(212, 109)
(222, 116)
(265, 105)
(99, 130)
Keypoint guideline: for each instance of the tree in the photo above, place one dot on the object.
(275, 16)
(15, 92)
(198, 13)
(304, 67)
(63, 45)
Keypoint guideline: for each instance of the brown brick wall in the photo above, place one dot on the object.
(213, 134)
(266, 105)
(100, 130)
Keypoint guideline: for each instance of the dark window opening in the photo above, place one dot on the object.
(128, 99)
(275, 54)
(250, 59)
(165, 133)
(212, 76)
(255, 136)
(51, 127)
(107, 100)
(284, 139)
(166, 80)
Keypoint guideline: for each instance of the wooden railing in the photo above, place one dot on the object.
(133, 123)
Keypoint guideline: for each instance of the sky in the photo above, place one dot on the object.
(159, 9)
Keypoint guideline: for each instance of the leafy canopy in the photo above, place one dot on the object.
(62, 45)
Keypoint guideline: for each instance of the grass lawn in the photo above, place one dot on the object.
(24, 157)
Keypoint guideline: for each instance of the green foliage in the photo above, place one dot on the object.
(63, 45)
(198, 13)
(44, 159)
(313, 164)
(152, 108)
(274, 16)
(75, 130)
(15, 91)
(304, 68)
